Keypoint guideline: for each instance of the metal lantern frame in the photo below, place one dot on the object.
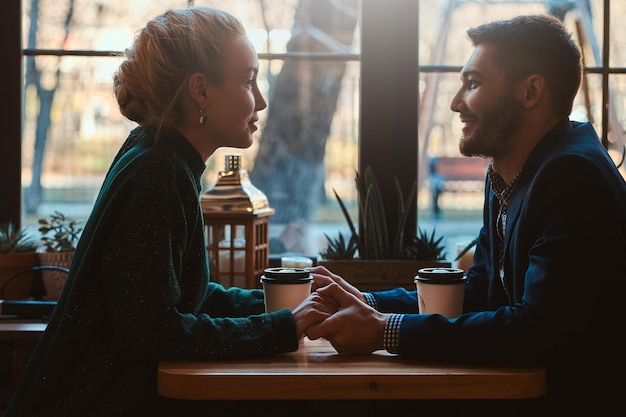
(236, 220)
(226, 260)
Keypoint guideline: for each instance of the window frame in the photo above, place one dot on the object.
(11, 116)
(388, 133)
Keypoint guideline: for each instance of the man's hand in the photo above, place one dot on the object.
(355, 327)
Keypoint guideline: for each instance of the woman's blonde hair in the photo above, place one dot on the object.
(171, 47)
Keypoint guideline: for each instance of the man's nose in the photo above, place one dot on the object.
(455, 104)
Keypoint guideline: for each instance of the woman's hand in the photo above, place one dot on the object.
(323, 277)
(313, 310)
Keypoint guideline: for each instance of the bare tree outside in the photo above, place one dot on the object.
(289, 165)
(45, 94)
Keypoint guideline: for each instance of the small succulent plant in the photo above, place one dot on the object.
(425, 246)
(59, 233)
(339, 248)
(15, 240)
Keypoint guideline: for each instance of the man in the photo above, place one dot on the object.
(547, 284)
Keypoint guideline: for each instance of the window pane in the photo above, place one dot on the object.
(84, 132)
(99, 25)
(444, 48)
(618, 33)
(296, 130)
(588, 24)
(86, 129)
(617, 120)
(443, 42)
(443, 27)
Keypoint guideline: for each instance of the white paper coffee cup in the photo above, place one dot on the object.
(440, 290)
(285, 287)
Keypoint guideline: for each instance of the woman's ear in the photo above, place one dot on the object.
(198, 86)
(531, 90)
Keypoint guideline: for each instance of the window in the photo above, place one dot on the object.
(444, 49)
(382, 89)
(69, 78)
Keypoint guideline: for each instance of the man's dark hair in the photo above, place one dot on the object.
(537, 44)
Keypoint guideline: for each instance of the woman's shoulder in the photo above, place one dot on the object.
(147, 150)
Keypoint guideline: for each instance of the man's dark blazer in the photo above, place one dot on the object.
(565, 270)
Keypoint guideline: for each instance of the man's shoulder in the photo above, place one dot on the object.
(581, 141)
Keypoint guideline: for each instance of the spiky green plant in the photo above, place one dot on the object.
(372, 241)
(339, 248)
(425, 246)
(15, 240)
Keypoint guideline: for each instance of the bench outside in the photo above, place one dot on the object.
(455, 174)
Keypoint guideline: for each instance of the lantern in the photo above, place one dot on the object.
(236, 220)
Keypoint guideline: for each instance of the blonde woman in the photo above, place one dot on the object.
(138, 290)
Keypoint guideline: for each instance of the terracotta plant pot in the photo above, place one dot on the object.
(10, 264)
(53, 281)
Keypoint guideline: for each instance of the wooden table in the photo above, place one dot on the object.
(316, 371)
(18, 338)
(21, 329)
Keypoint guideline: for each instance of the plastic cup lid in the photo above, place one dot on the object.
(441, 275)
(286, 276)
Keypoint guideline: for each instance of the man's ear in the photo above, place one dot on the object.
(531, 90)
(198, 87)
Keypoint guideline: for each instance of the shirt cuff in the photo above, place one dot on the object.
(369, 299)
(391, 337)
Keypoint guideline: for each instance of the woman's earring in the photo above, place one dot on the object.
(202, 118)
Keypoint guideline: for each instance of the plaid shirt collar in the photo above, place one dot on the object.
(500, 188)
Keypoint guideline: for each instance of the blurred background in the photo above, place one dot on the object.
(309, 141)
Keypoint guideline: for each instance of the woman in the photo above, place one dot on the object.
(138, 290)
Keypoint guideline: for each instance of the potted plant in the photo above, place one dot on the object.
(367, 258)
(17, 253)
(59, 236)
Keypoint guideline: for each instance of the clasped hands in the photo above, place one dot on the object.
(337, 311)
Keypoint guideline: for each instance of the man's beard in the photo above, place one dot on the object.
(494, 133)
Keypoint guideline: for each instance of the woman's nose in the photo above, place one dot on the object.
(260, 102)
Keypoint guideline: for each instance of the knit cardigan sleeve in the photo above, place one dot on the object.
(154, 274)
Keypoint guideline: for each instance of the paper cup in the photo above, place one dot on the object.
(285, 287)
(440, 290)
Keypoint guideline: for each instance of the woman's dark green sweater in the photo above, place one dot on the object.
(138, 292)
